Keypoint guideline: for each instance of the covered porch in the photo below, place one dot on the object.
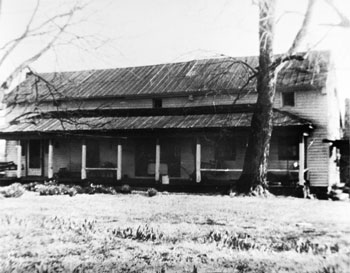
(194, 149)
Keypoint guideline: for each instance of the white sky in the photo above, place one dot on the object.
(139, 32)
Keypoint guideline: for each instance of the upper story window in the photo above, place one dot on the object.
(157, 103)
(288, 99)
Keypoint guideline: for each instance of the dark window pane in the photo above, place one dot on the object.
(288, 99)
(157, 103)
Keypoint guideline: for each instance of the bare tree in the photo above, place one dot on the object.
(48, 28)
(253, 177)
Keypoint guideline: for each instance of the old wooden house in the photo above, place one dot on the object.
(183, 124)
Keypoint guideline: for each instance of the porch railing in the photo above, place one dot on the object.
(103, 170)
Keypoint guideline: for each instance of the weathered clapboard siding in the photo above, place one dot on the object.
(313, 105)
(11, 155)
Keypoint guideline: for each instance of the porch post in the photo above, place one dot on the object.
(50, 160)
(157, 165)
(119, 162)
(198, 161)
(83, 160)
(301, 160)
(19, 159)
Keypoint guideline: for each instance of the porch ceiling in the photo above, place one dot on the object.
(194, 121)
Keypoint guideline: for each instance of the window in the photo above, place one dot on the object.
(288, 99)
(288, 148)
(157, 103)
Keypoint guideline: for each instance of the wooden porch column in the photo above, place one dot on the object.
(19, 159)
(301, 160)
(83, 160)
(157, 165)
(119, 162)
(50, 160)
(198, 161)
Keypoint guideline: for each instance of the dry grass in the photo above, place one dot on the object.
(173, 233)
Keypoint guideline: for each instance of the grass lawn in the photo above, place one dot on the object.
(172, 233)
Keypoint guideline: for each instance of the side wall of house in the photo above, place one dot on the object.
(335, 132)
(313, 105)
(11, 155)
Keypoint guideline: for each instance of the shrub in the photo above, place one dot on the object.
(31, 186)
(72, 191)
(14, 190)
(125, 189)
(152, 192)
(78, 188)
(54, 190)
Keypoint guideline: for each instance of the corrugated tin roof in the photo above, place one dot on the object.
(222, 120)
(220, 74)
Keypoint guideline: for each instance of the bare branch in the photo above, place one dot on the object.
(36, 56)
(344, 20)
(290, 55)
(304, 29)
(18, 40)
(286, 58)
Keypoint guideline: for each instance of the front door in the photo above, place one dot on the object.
(34, 157)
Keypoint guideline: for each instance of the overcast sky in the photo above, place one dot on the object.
(119, 33)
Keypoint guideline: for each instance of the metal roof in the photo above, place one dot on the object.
(215, 75)
(194, 121)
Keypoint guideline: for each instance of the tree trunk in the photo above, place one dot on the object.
(253, 177)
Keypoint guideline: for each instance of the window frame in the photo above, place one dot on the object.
(157, 103)
(288, 101)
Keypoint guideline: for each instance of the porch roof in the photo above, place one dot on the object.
(191, 121)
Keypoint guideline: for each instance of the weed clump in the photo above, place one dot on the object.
(142, 233)
(152, 192)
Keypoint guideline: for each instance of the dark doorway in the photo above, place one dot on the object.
(145, 154)
(34, 154)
